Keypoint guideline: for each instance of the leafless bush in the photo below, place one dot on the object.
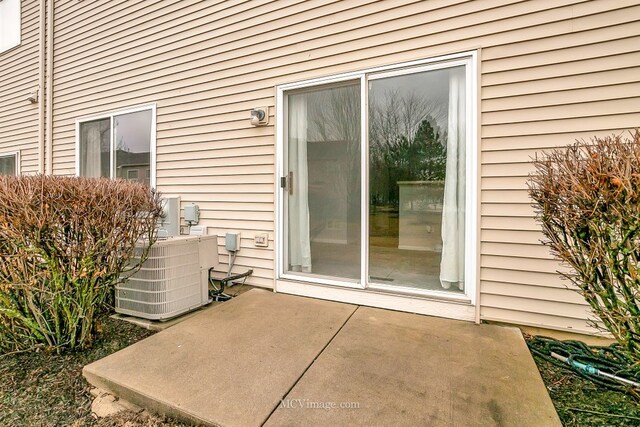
(587, 198)
(64, 242)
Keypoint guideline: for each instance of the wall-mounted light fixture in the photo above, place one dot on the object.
(260, 116)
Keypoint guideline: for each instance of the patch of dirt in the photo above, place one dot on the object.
(580, 402)
(48, 389)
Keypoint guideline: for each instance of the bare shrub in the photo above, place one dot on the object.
(587, 198)
(64, 242)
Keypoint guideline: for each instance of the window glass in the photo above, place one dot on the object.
(132, 141)
(94, 148)
(8, 165)
(123, 151)
(9, 24)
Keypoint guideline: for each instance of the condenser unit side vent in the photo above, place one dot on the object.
(172, 281)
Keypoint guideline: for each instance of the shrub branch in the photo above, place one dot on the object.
(64, 243)
(587, 199)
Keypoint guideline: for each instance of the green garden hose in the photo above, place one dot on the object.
(590, 362)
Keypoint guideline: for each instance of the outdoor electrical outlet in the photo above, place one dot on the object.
(261, 240)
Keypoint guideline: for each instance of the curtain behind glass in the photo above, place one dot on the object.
(453, 212)
(323, 160)
(94, 148)
(299, 233)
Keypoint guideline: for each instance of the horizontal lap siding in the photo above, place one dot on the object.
(18, 79)
(551, 71)
(566, 89)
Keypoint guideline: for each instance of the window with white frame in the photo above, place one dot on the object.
(118, 145)
(9, 164)
(9, 24)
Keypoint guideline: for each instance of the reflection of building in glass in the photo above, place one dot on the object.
(133, 166)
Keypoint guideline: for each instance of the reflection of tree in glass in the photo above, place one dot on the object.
(121, 145)
(334, 118)
(405, 144)
(334, 115)
(105, 129)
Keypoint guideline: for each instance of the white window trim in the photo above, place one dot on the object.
(9, 48)
(17, 159)
(110, 115)
(305, 286)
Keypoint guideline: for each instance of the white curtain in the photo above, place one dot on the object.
(299, 238)
(453, 211)
(91, 141)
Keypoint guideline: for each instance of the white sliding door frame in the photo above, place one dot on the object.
(281, 199)
(286, 280)
(364, 181)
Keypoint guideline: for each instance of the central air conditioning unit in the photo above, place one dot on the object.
(173, 280)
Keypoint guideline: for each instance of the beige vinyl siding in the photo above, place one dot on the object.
(551, 71)
(18, 78)
(566, 93)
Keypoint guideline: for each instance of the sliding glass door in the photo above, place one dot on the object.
(322, 184)
(374, 178)
(417, 164)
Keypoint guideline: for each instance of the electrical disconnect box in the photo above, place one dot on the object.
(232, 242)
(192, 214)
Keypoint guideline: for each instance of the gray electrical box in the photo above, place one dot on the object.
(232, 242)
(191, 214)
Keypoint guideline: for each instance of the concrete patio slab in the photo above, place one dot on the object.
(282, 360)
(227, 366)
(405, 369)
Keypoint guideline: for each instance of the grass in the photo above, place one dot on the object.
(580, 402)
(49, 390)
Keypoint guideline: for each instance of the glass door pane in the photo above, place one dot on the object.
(417, 139)
(322, 194)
